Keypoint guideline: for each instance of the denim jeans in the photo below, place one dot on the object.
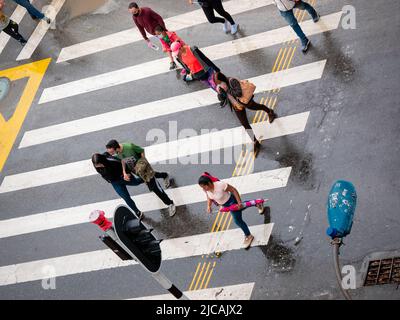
(291, 19)
(30, 8)
(120, 188)
(237, 216)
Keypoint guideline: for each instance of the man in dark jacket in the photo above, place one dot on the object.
(146, 20)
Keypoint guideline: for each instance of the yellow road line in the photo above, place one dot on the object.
(205, 275)
(239, 161)
(194, 277)
(199, 277)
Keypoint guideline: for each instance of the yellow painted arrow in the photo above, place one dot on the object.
(9, 129)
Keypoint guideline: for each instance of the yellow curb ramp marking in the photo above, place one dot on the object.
(9, 129)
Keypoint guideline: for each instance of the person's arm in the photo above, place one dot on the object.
(158, 18)
(209, 204)
(236, 194)
(142, 31)
(127, 177)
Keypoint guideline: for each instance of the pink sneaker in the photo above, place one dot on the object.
(183, 72)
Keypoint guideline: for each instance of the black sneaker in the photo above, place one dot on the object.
(305, 46)
(172, 65)
(271, 116)
(316, 19)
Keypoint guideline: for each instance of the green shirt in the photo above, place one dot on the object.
(130, 150)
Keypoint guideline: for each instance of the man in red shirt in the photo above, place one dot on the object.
(146, 20)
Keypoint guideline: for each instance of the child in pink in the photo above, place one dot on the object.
(166, 39)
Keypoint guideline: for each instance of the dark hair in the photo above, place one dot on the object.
(221, 77)
(98, 158)
(204, 180)
(133, 5)
(159, 28)
(112, 144)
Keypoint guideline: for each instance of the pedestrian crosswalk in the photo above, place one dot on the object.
(168, 106)
(34, 225)
(132, 35)
(216, 52)
(170, 151)
(177, 248)
(265, 180)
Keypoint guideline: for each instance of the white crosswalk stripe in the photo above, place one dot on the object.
(256, 182)
(234, 292)
(219, 51)
(169, 151)
(40, 30)
(177, 248)
(203, 98)
(132, 35)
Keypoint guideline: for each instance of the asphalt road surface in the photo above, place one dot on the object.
(338, 108)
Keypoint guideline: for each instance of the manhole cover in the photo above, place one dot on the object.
(4, 87)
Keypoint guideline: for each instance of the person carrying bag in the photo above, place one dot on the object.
(240, 96)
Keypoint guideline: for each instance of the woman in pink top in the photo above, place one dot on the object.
(225, 195)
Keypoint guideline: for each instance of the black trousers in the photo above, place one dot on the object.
(218, 7)
(12, 31)
(154, 186)
(242, 116)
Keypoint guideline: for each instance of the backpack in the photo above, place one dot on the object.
(140, 167)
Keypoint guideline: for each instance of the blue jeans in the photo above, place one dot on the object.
(120, 188)
(30, 8)
(291, 19)
(237, 216)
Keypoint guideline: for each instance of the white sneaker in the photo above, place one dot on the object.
(226, 26)
(234, 28)
(172, 210)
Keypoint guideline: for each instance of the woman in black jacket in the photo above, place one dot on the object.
(229, 91)
(110, 169)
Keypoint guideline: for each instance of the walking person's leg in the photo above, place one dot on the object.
(12, 31)
(165, 176)
(210, 15)
(219, 8)
(292, 21)
(306, 6)
(252, 105)
(242, 116)
(35, 13)
(155, 187)
(238, 219)
(121, 189)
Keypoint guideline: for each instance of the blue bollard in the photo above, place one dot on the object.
(342, 202)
